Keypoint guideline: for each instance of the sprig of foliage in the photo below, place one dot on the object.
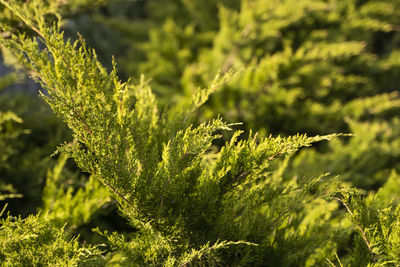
(62, 206)
(33, 241)
(378, 228)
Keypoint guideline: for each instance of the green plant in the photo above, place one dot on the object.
(197, 193)
(170, 187)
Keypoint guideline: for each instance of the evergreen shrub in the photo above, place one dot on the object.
(195, 191)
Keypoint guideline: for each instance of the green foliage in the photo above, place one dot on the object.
(194, 190)
(148, 166)
(8, 132)
(63, 206)
(7, 119)
(366, 159)
(7, 80)
(36, 242)
(307, 66)
(376, 222)
(35, 138)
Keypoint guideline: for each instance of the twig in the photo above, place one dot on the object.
(19, 15)
(359, 228)
(113, 189)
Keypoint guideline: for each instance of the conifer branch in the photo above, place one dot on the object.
(358, 225)
(23, 18)
(118, 193)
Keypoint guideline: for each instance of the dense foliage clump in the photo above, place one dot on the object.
(191, 185)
